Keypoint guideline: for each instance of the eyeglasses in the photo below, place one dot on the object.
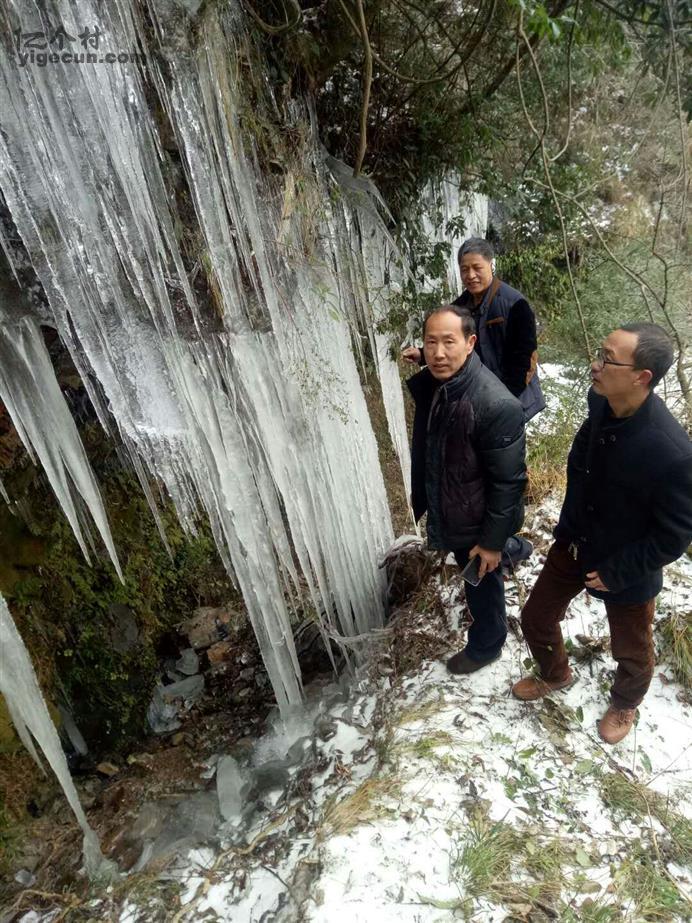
(601, 359)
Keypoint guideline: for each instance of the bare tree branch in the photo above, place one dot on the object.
(683, 133)
(569, 85)
(276, 30)
(631, 18)
(540, 137)
(645, 287)
(395, 73)
(367, 84)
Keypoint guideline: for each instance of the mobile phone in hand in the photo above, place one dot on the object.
(471, 572)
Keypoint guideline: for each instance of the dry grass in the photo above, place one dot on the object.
(424, 747)
(545, 861)
(642, 882)
(363, 806)
(547, 475)
(420, 631)
(412, 713)
(675, 633)
(486, 858)
(640, 802)
(546, 455)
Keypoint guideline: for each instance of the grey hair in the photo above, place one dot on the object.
(477, 245)
(654, 349)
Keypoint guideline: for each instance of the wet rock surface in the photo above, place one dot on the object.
(124, 633)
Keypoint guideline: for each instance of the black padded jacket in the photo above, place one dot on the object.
(628, 506)
(468, 458)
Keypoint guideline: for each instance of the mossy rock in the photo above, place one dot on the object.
(19, 549)
(68, 611)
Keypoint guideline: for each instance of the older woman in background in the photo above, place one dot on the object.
(505, 325)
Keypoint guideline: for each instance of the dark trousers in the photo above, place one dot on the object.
(486, 604)
(631, 635)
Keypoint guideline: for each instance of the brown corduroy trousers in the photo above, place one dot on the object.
(631, 635)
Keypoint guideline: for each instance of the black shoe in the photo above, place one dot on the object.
(516, 549)
(461, 663)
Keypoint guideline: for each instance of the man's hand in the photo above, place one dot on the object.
(594, 582)
(489, 559)
(411, 354)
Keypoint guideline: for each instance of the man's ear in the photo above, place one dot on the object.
(644, 378)
(472, 341)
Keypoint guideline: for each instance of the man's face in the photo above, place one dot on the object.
(445, 347)
(616, 382)
(476, 273)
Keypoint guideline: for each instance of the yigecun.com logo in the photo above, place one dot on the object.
(56, 46)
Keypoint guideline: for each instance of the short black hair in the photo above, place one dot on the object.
(654, 349)
(468, 324)
(476, 245)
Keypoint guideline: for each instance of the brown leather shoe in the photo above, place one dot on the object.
(616, 724)
(531, 688)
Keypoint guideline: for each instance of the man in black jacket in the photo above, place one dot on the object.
(627, 512)
(468, 470)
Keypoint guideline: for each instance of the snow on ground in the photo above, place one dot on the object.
(437, 798)
(463, 749)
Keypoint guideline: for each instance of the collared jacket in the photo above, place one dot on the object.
(628, 507)
(468, 458)
(507, 342)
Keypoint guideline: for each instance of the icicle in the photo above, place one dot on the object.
(27, 708)
(30, 392)
(447, 209)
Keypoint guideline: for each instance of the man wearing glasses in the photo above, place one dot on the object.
(627, 512)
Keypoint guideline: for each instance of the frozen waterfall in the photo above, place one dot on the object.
(244, 402)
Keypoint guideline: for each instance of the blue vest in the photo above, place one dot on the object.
(491, 328)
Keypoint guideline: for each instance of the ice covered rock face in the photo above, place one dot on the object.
(255, 416)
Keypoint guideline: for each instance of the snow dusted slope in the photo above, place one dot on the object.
(428, 797)
(439, 798)
(456, 801)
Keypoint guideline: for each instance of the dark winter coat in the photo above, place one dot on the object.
(468, 458)
(507, 343)
(628, 506)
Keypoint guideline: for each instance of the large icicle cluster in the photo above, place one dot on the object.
(251, 410)
(262, 424)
